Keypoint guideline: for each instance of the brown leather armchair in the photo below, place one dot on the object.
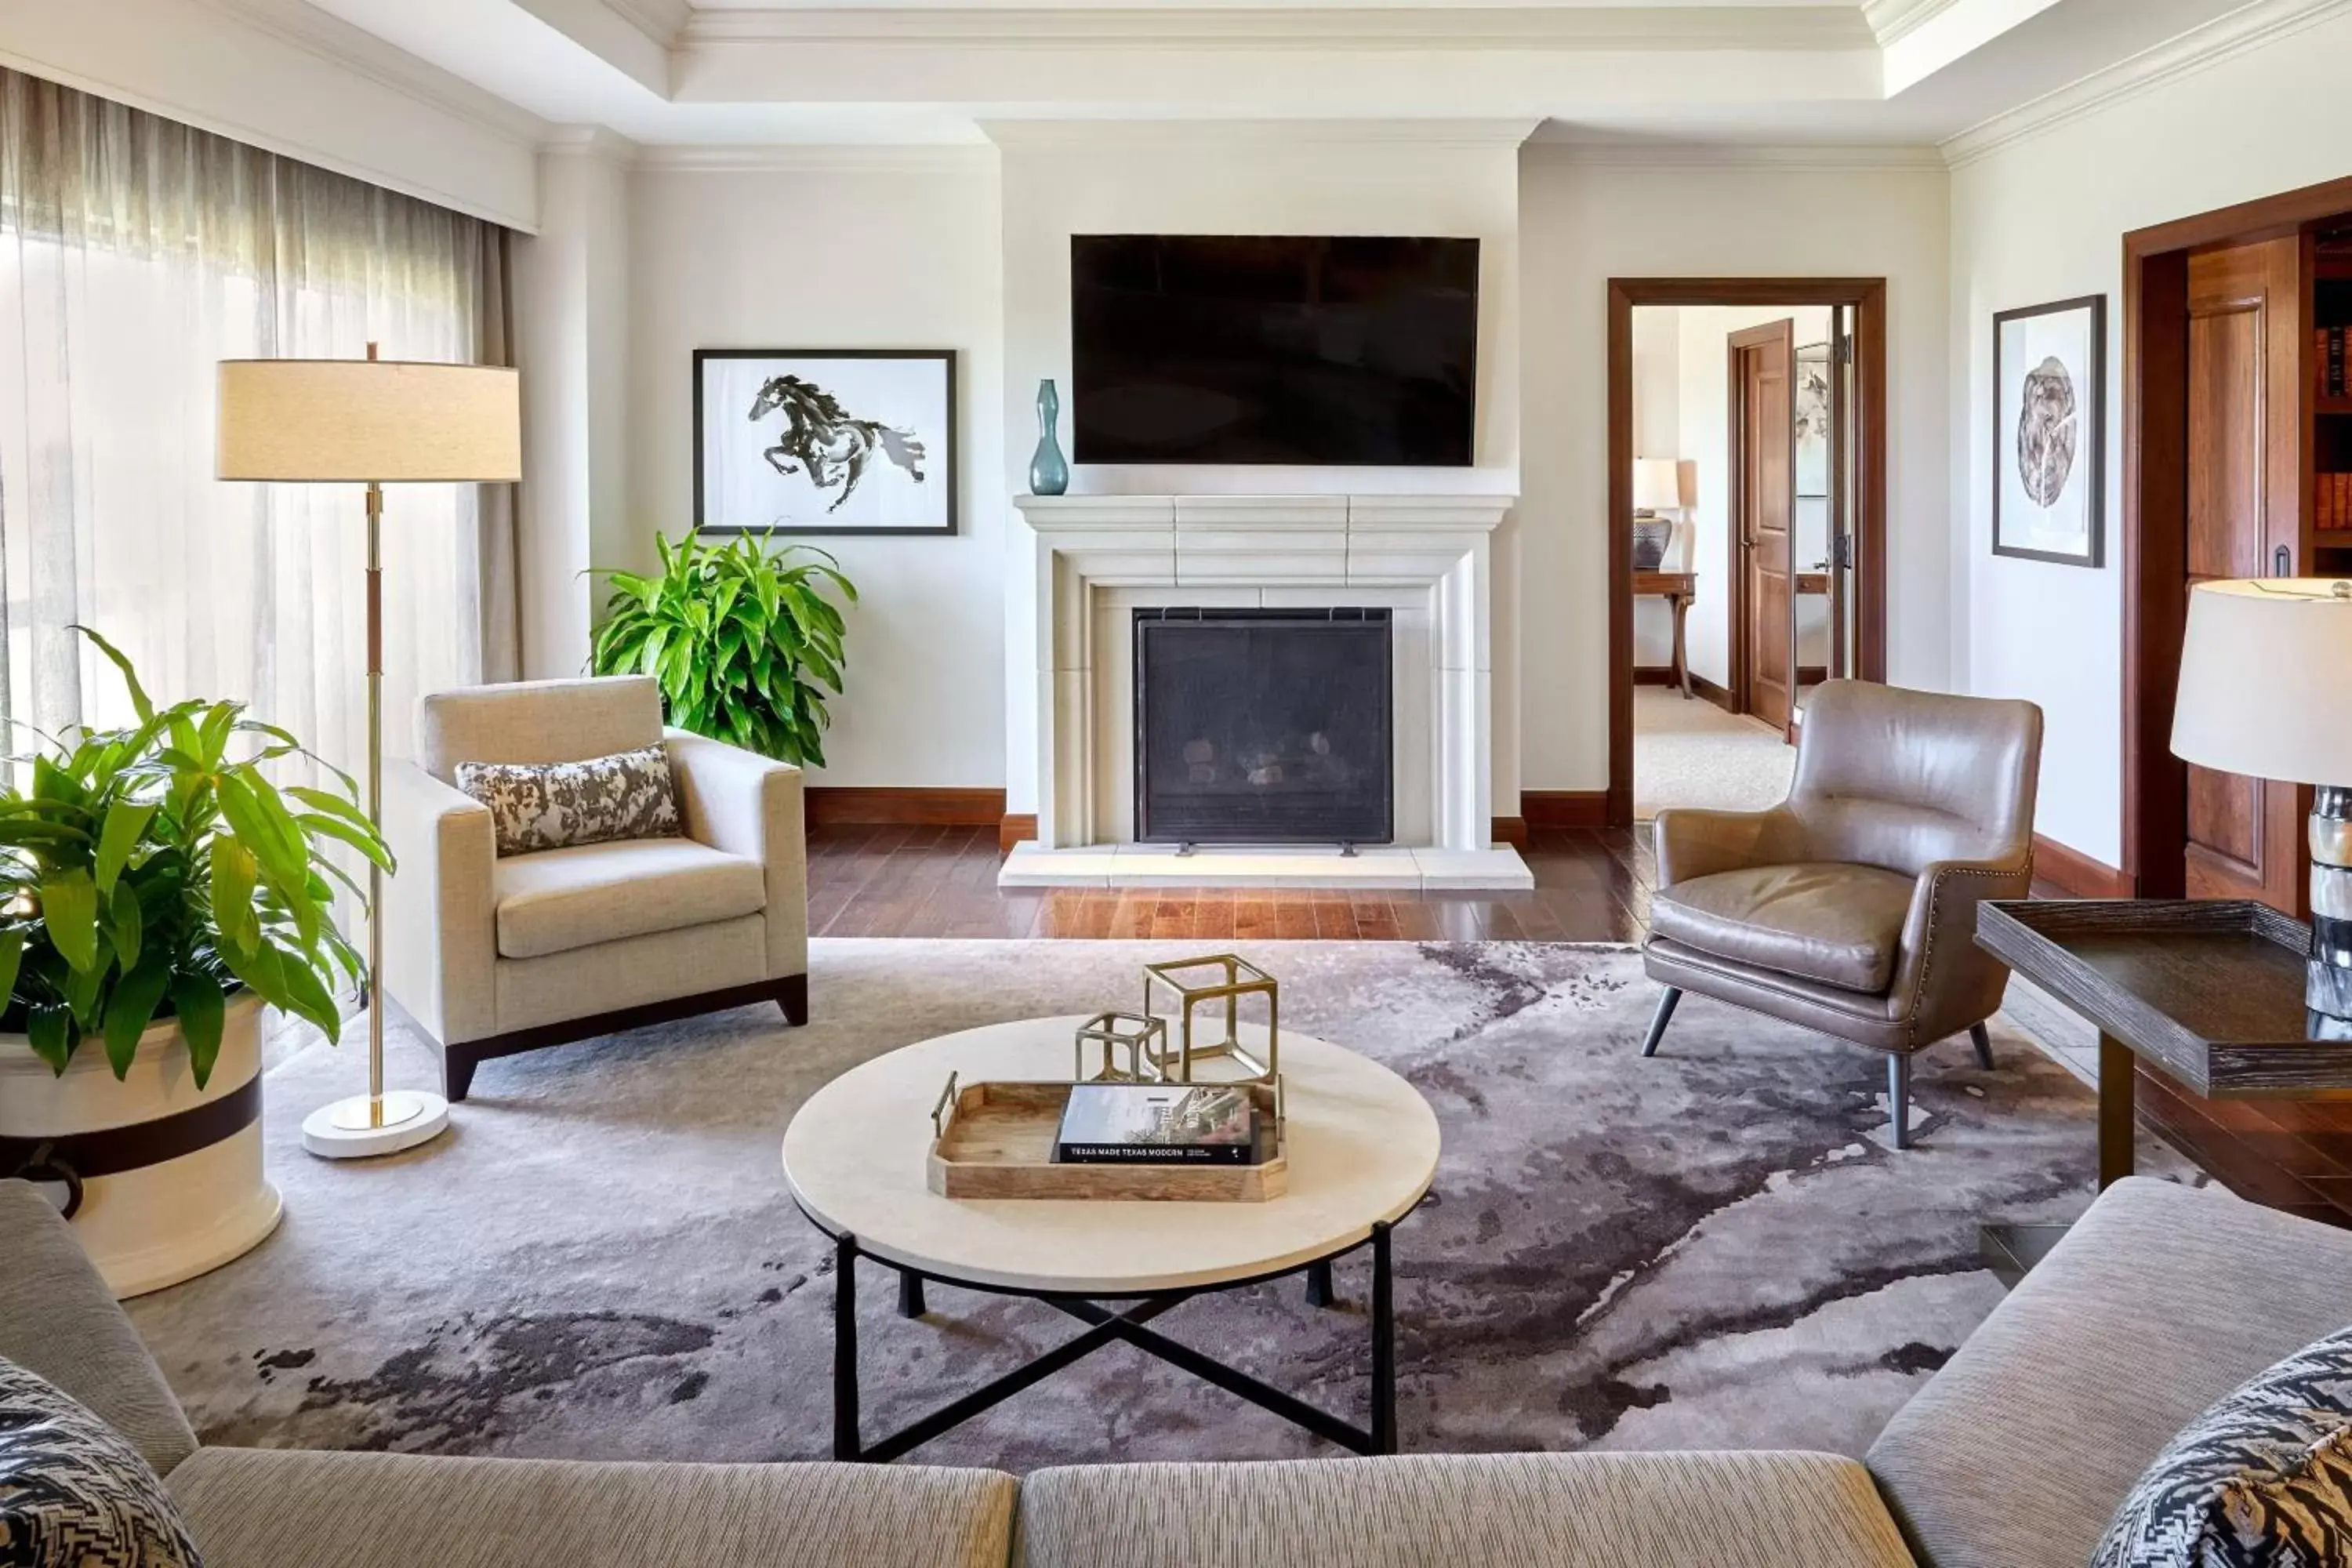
(1850, 907)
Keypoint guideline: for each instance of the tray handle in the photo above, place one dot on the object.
(944, 1111)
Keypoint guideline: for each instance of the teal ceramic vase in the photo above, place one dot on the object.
(1049, 474)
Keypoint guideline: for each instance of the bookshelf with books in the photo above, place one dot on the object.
(2328, 403)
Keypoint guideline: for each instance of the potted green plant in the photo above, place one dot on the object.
(157, 889)
(741, 639)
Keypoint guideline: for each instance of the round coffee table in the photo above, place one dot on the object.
(1363, 1147)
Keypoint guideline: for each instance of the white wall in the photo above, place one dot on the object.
(292, 79)
(1582, 223)
(2041, 217)
(1205, 178)
(845, 247)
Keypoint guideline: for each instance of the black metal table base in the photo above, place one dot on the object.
(1105, 1326)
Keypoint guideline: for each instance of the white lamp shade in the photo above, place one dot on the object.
(356, 421)
(2263, 681)
(1657, 482)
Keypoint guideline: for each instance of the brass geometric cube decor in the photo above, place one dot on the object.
(1143, 1038)
(1223, 977)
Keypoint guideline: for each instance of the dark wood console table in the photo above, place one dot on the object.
(1677, 589)
(2207, 992)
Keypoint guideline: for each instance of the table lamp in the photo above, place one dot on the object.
(2261, 693)
(1657, 484)
(373, 422)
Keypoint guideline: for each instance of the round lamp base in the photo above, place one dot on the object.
(360, 1128)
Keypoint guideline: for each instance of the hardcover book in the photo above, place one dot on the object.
(1157, 1124)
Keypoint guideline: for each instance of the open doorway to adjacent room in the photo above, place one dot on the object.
(1747, 500)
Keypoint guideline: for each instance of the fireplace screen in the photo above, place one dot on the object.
(1263, 726)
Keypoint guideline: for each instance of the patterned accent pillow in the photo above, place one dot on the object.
(2263, 1479)
(555, 806)
(74, 1493)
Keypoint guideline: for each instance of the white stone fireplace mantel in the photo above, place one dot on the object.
(1099, 558)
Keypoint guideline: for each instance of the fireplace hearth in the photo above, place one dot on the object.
(1257, 726)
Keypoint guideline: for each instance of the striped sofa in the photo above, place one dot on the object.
(2013, 1456)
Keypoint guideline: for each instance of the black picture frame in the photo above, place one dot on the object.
(2090, 422)
(942, 463)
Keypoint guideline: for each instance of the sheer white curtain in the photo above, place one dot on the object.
(134, 254)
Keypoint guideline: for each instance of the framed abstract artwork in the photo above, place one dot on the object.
(2049, 376)
(824, 441)
(1812, 410)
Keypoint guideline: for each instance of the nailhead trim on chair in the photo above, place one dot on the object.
(1928, 955)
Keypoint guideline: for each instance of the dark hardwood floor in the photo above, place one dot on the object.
(1591, 886)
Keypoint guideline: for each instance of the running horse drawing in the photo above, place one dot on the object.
(823, 440)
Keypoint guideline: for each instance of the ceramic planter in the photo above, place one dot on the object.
(169, 1178)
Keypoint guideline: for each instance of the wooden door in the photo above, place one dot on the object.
(2244, 520)
(1764, 464)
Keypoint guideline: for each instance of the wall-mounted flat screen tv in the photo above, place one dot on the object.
(1274, 349)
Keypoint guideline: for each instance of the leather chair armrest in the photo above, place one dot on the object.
(1690, 843)
(749, 804)
(440, 910)
(1943, 980)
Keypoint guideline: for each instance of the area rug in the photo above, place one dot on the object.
(1715, 1248)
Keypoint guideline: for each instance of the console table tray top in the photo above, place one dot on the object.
(2210, 992)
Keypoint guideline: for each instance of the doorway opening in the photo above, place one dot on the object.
(1747, 483)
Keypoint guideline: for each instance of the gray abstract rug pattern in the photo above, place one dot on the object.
(1713, 1248)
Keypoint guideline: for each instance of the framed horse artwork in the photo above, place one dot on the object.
(824, 441)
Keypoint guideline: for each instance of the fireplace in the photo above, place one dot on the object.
(1258, 726)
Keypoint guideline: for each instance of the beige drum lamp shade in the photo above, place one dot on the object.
(2261, 681)
(365, 421)
(1657, 482)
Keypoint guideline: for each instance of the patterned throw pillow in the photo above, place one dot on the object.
(74, 1493)
(553, 805)
(2263, 1479)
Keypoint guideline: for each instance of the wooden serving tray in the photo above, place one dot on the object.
(996, 1140)
(2209, 990)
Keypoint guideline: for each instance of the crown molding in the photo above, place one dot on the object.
(818, 158)
(2223, 39)
(361, 52)
(594, 143)
(1116, 135)
(1842, 159)
(1890, 19)
(662, 21)
(1610, 29)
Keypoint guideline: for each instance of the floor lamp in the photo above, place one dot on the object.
(371, 422)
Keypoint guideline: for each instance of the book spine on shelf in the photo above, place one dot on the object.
(2335, 362)
(1155, 1154)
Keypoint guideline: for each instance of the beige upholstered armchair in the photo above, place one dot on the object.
(1850, 907)
(491, 955)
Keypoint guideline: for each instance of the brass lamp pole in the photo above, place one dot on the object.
(373, 422)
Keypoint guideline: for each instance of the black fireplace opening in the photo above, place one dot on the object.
(1264, 727)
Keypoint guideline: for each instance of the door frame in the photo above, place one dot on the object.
(1867, 296)
(1742, 597)
(2155, 509)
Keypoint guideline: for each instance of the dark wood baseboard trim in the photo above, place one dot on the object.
(1700, 685)
(1656, 675)
(459, 1060)
(1811, 674)
(1557, 808)
(831, 806)
(1014, 827)
(1510, 830)
(2076, 874)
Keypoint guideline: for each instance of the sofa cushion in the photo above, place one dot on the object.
(74, 1493)
(559, 900)
(1825, 921)
(251, 1507)
(2159, 1301)
(58, 1318)
(1502, 1511)
(2260, 1480)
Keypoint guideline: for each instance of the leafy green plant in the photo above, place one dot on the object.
(739, 637)
(150, 871)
